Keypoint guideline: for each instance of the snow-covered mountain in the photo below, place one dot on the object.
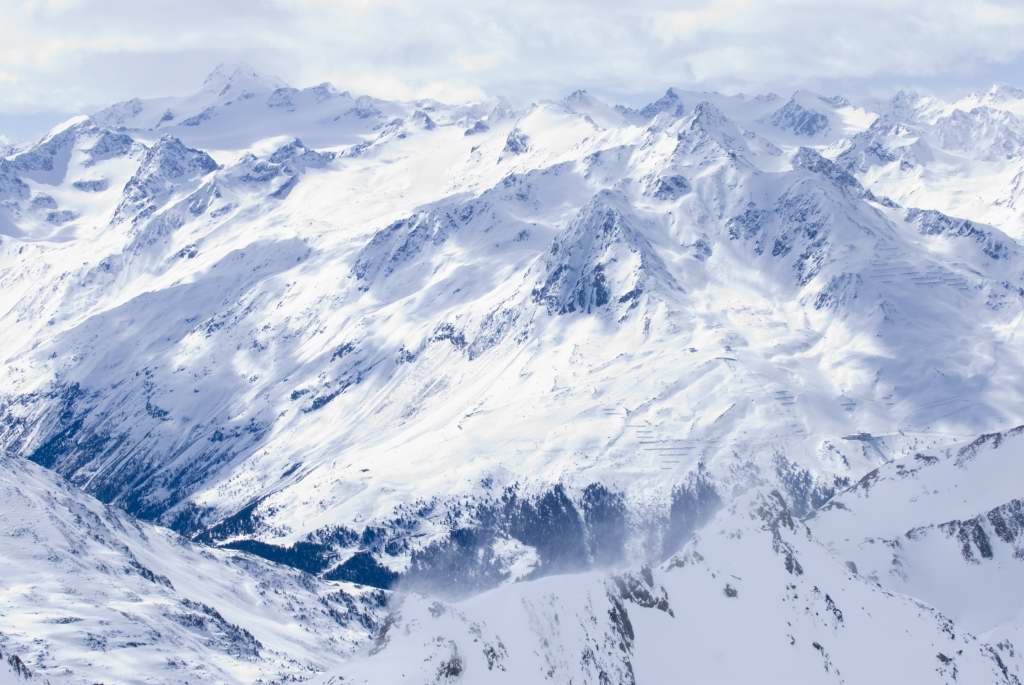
(91, 594)
(574, 358)
(753, 597)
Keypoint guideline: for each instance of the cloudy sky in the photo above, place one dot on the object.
(59, 57)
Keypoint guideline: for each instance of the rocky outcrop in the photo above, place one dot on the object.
(166, 167)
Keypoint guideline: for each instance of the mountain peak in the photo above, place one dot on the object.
(229, 78)
(707, 114)
(579, 94)
(1001, 92)
(669, 102)
(578, 98)
(799, 118)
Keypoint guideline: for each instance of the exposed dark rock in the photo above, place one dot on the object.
(236, 641)
(165, 166)
(639, 589)
(776, 516)
(670, 187)
(477, 127)
(803, 491)
(799, 120)
(517, 143)
(92, 185)
(669, 103)
(931, 222)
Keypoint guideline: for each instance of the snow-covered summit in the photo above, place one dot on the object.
(230, 81)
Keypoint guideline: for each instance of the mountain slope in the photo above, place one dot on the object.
(945, 528)
(90, 593)
(753, 596)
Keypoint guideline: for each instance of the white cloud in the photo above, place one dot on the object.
(72, 54)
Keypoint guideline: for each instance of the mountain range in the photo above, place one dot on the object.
(301, 385)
